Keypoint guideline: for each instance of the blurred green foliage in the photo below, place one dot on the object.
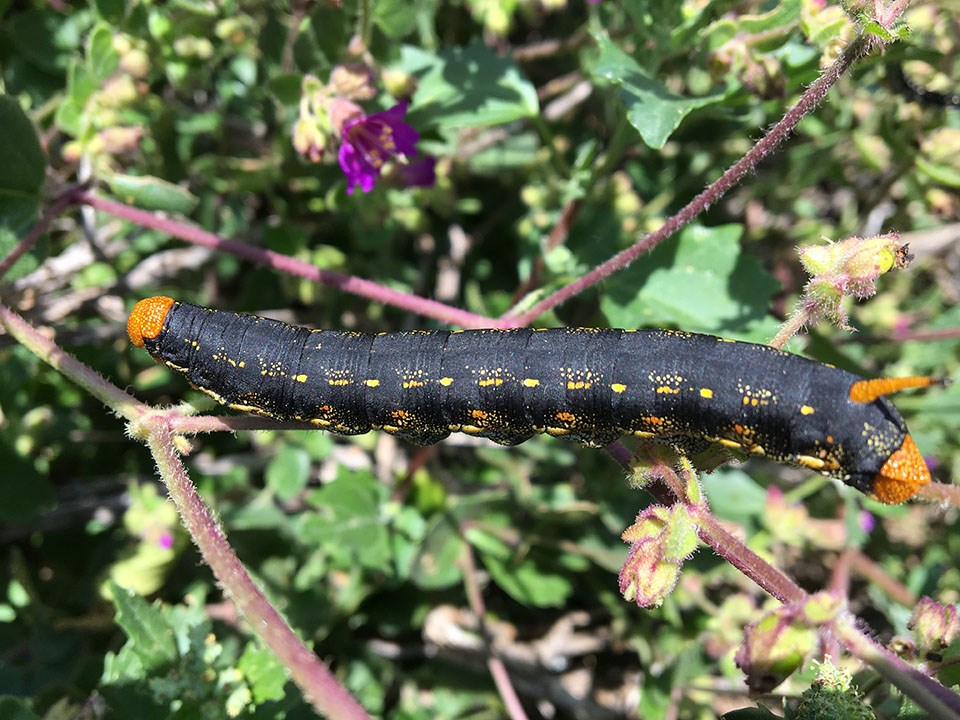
(622, 112)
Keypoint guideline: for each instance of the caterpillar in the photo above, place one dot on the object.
(916, 92)
(508, 385)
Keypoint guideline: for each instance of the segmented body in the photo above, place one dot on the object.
(508, 385)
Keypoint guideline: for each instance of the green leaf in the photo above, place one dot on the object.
(24, 492)
(347, 520)
(397, 17)
(21, 157)
(265, 674)
(288, 472)
(943, 173)
(697, 281)
(734, 495)
(528, 583)
(23, 164)
(102, 59)
(466, 87)
(651, 108)
(12, 708)
(151, 638)
(152, 193)
(437, 562)
(112, 11)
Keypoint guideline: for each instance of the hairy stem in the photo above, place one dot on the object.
(777, 134)
(316, 681)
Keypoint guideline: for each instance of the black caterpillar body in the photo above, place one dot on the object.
(508, 385)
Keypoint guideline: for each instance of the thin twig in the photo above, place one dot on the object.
(289, 265)
(777, 134)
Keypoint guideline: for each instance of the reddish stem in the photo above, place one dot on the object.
(316, 681)
(777, 134)
(289, 265)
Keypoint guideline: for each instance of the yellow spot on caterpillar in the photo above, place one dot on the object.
(487, 382)
(372, 382)
(557, 432)
(241, 364)
(730, 443)
(643, 434)
(300, 378)
(806, 410)
(810, 462)
(338, 381)
(471, 429)
(565, 417)
(446, 381)
(478, 414)
(706, 393)
(667, 390)
(412, 384)
(530, 382)
(398, 414)
(618, 387)
(319, 422)
(754, 401)
(577, 385)
(654, 420)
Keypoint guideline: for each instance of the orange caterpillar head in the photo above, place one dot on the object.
(147, 317)
(902, 475)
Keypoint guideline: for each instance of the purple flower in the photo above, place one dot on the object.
(419, 172)
(370, 140)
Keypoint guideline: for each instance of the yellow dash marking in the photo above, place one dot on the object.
(300, 378)
(577, 385)
(530, 382)
(806, 410)
(811, 462)
(730, 443)
(643, 434)
(487, 382)
(446, 381)
(706, 393)
(372, 382)
(320, 422)
(412, 384)
(557, 432)
(667, 390)
(338, 381)
(471, 429)
(618, 387)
